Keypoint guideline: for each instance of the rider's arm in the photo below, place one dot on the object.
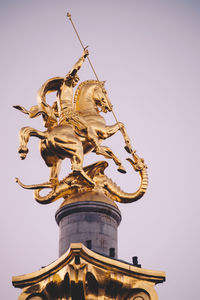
(78, 64)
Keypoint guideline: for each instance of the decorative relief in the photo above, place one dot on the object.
(74, 126)
(83, 274)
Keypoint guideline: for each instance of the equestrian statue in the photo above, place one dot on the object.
(74, 127)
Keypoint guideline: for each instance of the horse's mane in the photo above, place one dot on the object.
(81, 85)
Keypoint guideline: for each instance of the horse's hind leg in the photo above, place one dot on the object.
(77, 166)
(24, 136)
(54, 171)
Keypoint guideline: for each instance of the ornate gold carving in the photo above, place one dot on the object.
(84, 274)
(76, 183)
(73, 130)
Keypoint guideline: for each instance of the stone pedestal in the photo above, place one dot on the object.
(92, 272)
(91, 219)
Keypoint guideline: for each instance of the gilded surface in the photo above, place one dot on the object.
(74, 127)
(84, 274)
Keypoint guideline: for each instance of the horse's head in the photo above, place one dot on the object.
(101, 98)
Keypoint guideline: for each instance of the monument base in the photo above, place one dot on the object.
(91, 219)
(83, 274)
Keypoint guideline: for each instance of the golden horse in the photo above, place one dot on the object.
(62, 141)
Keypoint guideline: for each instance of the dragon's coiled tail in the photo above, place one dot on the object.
(49, 198)
(115, 193)
(63, 189)
(52, 196)
(75, 183)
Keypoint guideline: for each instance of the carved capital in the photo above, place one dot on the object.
(84, 274)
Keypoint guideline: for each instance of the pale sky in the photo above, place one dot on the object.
(148, 53)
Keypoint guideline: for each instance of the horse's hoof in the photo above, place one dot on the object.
(22, 156)
(127, 149)
(23, 150)
(122, 170)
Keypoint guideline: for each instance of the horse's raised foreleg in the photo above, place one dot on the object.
(24, 136)
(107, 153)
(110, 130)
(127, 140)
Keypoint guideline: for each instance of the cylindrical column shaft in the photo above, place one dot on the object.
(92, 223)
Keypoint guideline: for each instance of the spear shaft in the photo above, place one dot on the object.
(69, 16)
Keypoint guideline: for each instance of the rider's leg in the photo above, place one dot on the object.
(80, 123)
(93, 138)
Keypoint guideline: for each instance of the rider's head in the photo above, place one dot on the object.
(71, 80)
(75, 80)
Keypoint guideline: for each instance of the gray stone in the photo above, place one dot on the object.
(92, 223)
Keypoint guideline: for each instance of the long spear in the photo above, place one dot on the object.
(128, 147)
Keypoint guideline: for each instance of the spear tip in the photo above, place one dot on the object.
(69, 15)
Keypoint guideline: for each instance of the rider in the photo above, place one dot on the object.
(66, 111)
(65, 92)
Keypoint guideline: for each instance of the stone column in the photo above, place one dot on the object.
(91, 219)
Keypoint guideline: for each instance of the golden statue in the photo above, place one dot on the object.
(74, 127)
